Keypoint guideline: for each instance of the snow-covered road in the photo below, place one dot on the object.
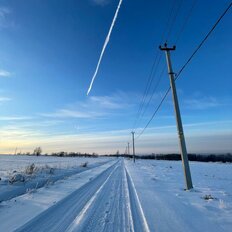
(108, 202)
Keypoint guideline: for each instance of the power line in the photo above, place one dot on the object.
(174, 18)
(203, 41)
(148, 86)
(170, 22)
(184, 66)
(153, 115)
(169, 25)
(186, 20)
(147, 92)
(153, 92)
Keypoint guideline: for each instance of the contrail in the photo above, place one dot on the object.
(104, 46)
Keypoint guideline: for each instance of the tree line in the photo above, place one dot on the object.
(174, 156)
(192, 157)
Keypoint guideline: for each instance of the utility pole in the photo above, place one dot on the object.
(133, 140)
(183, 149)
(128, 148)
(126, 151)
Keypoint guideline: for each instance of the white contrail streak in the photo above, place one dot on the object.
(104, 46)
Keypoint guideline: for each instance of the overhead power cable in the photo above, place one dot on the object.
(203, 41)
(174, 19)
(147, 88)
(186, 20)
(169, 25)
(153, 92)
(153, 115)
(168, 22)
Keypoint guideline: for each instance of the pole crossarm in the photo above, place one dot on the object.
(165, 48)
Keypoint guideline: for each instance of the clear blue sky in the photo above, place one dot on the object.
(48, 54)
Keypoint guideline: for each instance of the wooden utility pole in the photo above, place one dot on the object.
(133, 142)
(183, 149)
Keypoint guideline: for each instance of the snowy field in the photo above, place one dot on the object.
(118, 195)
(11, 163)
(167, 207)
(21, 174)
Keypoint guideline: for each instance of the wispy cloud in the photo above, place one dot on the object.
(4, 21)
(106, 102)
(24, 132)
(101, 2)
(155, 140)
(14, 118)
(204, 102)
(68, 113)
(119, 100)
(3, 12)
(4, 73)
(93, 107)
(4, 99)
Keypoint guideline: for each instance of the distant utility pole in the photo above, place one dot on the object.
(128, 148)
(16, 150)
(126, 151)
(184, 155)
(133, 140)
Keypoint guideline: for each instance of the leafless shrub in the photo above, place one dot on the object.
(84, 165)
(30, 169)
(16, 178)
(208, 197)
(51, 171)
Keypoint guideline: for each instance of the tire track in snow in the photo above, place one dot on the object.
(108, 202)
(59, 216)
(108, 211)
(122, 212)
(138, 217)
(84, 211)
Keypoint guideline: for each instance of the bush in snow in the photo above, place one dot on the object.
(16, 178)
(30, 169)
(208, 197)
(51, 171)
(84, 165)
(48, 169)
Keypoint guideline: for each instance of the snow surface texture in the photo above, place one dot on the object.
(122, 196)
(11, 163)
(29, 173)
(167, 207)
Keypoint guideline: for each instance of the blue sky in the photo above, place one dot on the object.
(48, 54)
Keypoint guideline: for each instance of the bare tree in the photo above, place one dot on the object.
(38, 151)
